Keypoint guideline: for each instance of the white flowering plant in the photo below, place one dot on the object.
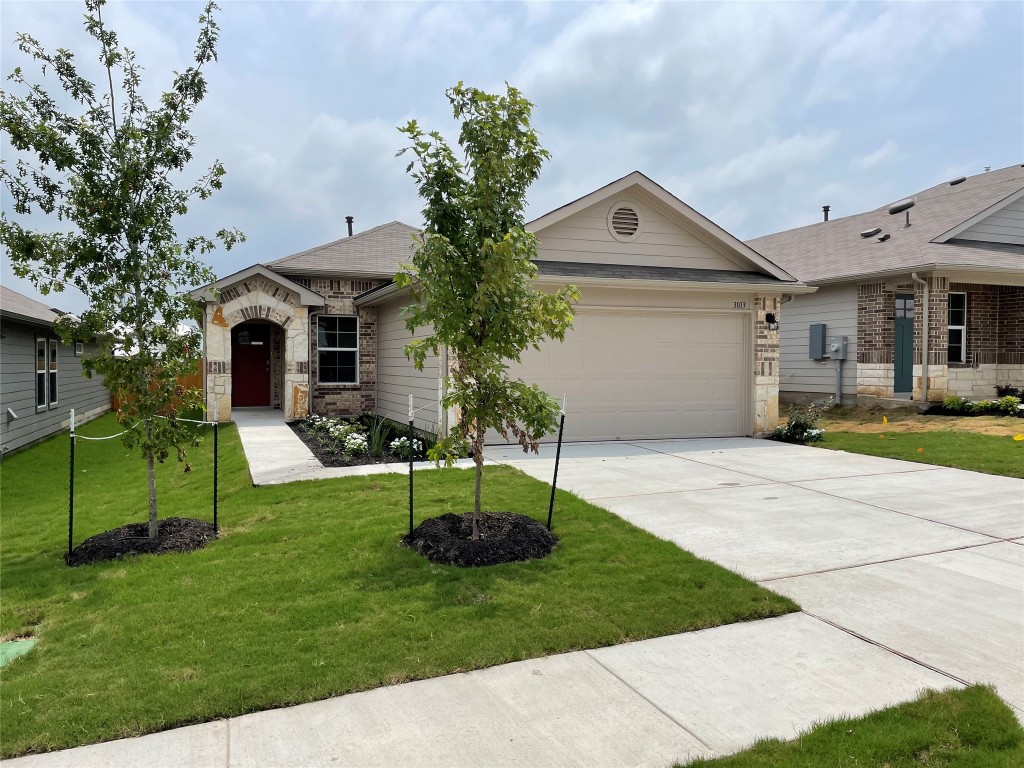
(802, 426)
(401, 447)
(355, 444)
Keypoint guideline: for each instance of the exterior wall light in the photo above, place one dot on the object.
(773, 324)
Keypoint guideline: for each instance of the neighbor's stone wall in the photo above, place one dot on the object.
(766, 365)
(345, 399)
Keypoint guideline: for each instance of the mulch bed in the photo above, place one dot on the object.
(505, 537)
(329, 459)
(175, 534)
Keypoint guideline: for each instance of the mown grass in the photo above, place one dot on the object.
(308, 593)
(969, 728)
(992, 454)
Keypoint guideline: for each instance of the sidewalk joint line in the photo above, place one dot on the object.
(614, 674)
(891, 650)
(879, 562)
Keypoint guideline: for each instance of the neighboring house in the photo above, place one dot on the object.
(672, 336)
(40, 377)
(961, 260)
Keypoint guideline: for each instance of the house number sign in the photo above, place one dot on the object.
(739, 305)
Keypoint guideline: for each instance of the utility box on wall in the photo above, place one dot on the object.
(837, 347)
(816, 347)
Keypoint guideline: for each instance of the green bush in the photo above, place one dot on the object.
(956, 404)
(1009, 405)
(802, 427)
(982, 406)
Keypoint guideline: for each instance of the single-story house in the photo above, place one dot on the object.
(953, 252)
(40, 377)
(674, 335)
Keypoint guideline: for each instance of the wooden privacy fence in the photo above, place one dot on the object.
(190, 381)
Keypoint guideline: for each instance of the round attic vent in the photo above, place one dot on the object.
(624, 221)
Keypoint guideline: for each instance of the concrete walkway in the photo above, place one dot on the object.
(910, 577)
(276, 454)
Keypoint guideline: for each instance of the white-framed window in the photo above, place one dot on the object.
(337, 347)
(79, 348)
(41, 375)
(957, 322)
(52, 344)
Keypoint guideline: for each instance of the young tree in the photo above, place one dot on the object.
(471, 275)
(109, 172)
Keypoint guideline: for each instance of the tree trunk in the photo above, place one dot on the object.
(478, 459)
(154, 529)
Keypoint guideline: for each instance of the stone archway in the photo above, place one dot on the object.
(256, 297)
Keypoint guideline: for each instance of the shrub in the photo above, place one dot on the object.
(956, 404)
(802, 427)
(401, 447)
(1006, 390)
(982, 406)
(1009, 405)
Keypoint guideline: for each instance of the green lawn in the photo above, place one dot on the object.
(306, 595)
(992, 454)
(970, 728)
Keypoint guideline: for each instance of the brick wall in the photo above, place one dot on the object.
(875, 329)
(345, 399)
(1011, 325)
(982, 323)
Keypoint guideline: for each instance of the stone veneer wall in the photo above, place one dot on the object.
(346, 399)
(254, 298)
(766, 366)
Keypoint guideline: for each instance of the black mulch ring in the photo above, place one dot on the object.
(505, 537)
(175, 534)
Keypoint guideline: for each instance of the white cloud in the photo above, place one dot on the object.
(888, 151)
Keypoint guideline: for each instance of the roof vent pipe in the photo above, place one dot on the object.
(824, 209)
(349, 220)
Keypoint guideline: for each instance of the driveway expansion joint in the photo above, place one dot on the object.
(880, 562)
(890, 649)
(686, 730)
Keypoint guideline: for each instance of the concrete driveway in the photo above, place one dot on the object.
(927, 562)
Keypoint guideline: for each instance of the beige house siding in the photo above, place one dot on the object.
(1004, 226)
(397, 378)
(586, 237)
(802, 377)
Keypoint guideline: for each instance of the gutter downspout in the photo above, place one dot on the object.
(925, 334)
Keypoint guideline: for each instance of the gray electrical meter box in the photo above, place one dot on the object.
(837, 347)
(816, 349)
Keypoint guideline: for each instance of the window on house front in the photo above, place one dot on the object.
(337, 343)
(40, 373)
(957, 322)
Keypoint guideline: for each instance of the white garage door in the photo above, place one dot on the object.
(633, 375)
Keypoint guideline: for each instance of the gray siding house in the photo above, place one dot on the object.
(40, 378)
(956, 254)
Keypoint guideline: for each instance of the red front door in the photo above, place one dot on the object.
(250, 365)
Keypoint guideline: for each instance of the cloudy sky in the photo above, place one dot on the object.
(755, 114)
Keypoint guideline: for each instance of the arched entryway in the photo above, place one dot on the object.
(257, 364)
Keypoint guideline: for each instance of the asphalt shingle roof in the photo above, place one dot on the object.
(640, 272)
(376, 252)
(18, 305)
(834, 250)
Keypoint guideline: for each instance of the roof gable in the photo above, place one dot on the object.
(377, 252)
(712, 246)
(210, 292)
(1002, 222)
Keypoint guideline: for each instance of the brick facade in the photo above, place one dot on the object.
(1011, 325)
(875, 328)
(345, 399)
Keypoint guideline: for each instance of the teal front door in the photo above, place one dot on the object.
(903, 362)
